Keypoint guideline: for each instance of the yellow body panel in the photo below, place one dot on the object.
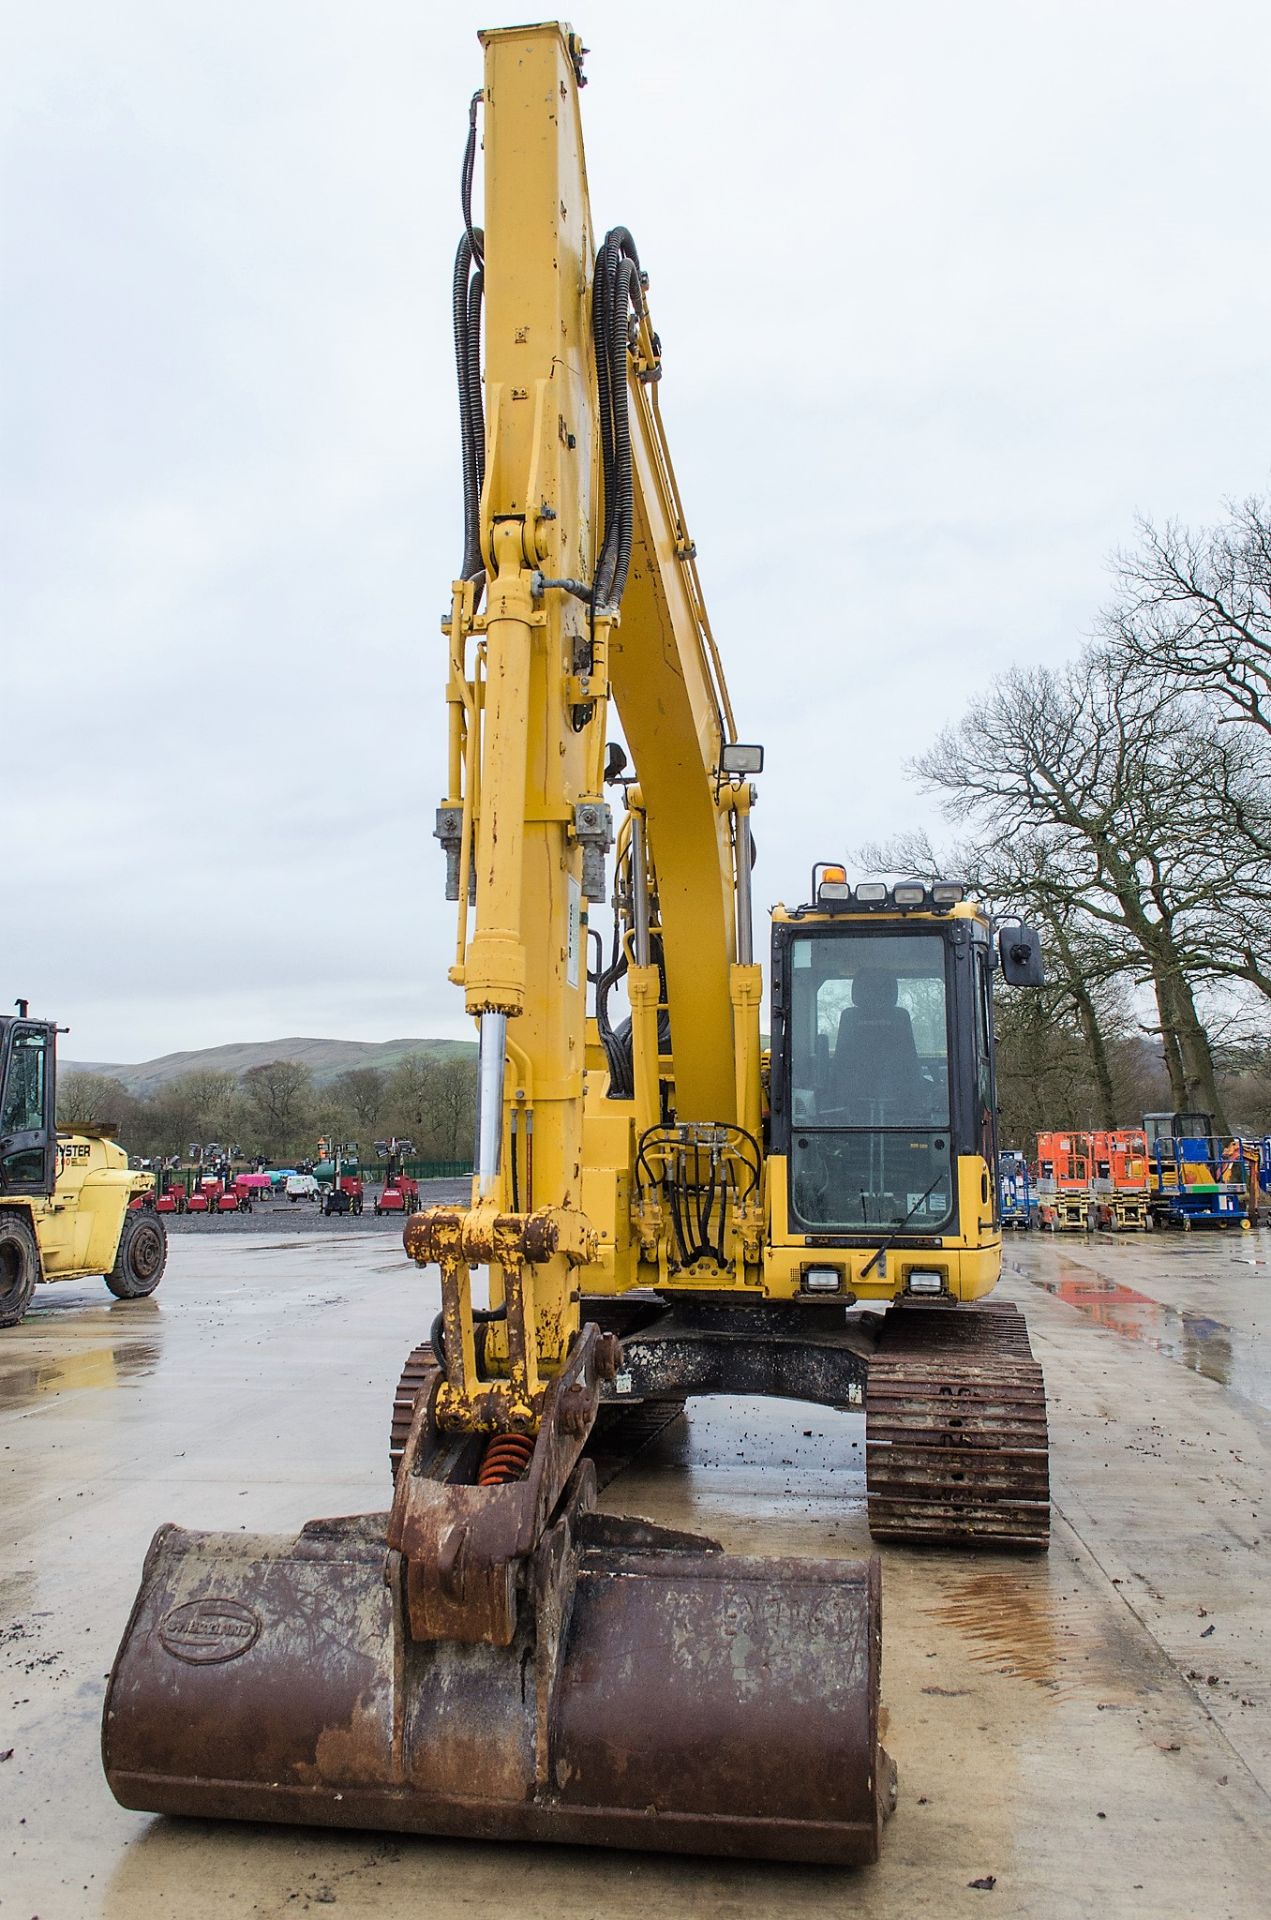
(78, 1228)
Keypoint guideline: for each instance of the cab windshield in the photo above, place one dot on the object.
(869, 1093)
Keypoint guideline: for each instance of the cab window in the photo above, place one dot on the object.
(24, 1092)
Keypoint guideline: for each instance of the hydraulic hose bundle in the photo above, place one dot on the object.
(617, 308)
(467, 293)
(617, 305)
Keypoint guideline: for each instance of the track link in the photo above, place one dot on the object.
(414, 1376)
(955, 1430)
(620, 1433)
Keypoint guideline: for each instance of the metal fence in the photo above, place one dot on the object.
(373, 1172)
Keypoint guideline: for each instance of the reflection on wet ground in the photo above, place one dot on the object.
(1207, 1346)
(1022, 1624)
(99, 1367)
(1049, 1734)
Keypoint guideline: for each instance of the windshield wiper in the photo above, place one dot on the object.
(900, 1226)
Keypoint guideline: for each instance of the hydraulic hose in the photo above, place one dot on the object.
(466, 299)
(617, 297)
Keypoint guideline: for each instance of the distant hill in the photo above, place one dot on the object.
(324, 1058)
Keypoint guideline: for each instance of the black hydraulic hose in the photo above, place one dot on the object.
(437, 1341)
(475, 237)
(600, 334)
(462, 303)
(476, 395)
(627, 291)
(616, 294)
(617, 1051)
(482, 1317)
(467, 292)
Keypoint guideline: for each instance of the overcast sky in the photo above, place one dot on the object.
(947, 294)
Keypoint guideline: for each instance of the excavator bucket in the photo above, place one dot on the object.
(458, 1666)
(657, 1694)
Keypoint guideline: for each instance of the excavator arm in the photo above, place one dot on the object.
(579, 589)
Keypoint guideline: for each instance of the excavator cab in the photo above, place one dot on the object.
(882, 1067)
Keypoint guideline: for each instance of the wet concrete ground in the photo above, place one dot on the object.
(1091, 1731)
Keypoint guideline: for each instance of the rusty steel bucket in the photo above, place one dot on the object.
(656, 1693)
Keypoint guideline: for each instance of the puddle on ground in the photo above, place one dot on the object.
(99, 1367)
(1196, 1340)
(1021, 1626)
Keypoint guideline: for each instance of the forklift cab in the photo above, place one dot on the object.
(1177, 1126)
(1180, 1140)
(28, 1105)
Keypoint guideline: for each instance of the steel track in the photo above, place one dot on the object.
(955, 1430)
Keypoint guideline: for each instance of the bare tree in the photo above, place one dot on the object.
(1195, 608)
(456, 1107)
(1107, 782)
(201, 1105)
(92, 1100)
(1056, 1046)
(360, 1093)
(411, 1097)
(280, 1093)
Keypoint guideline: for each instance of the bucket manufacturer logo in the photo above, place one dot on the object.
(208, 1632)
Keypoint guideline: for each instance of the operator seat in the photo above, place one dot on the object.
(876, 1070)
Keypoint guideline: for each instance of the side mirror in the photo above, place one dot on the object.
(1020, 951)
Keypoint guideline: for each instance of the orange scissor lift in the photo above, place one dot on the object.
(1065, 1174)
(1120, 1183)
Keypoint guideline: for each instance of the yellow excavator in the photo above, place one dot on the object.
(661, 1208)
(65, 1197)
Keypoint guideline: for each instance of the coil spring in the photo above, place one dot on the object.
(505, 1459)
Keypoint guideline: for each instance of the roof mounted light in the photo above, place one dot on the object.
(910, 893)
(833, 884)
(872, 893)
(948, 893)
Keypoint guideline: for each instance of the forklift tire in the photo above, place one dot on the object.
(142, 1256)
(19, 1266)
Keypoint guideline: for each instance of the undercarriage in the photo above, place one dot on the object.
(955, 1405)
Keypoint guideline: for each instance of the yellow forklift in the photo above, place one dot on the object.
(65, 1198)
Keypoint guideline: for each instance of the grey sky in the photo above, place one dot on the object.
(947, 294)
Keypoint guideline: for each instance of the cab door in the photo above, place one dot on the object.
(985, 1100)
(28, 1133)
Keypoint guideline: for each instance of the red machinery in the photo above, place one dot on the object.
(169, 1192)
(400, 1194)
(234, 1197)
(344, 1195)
(205, 1195)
